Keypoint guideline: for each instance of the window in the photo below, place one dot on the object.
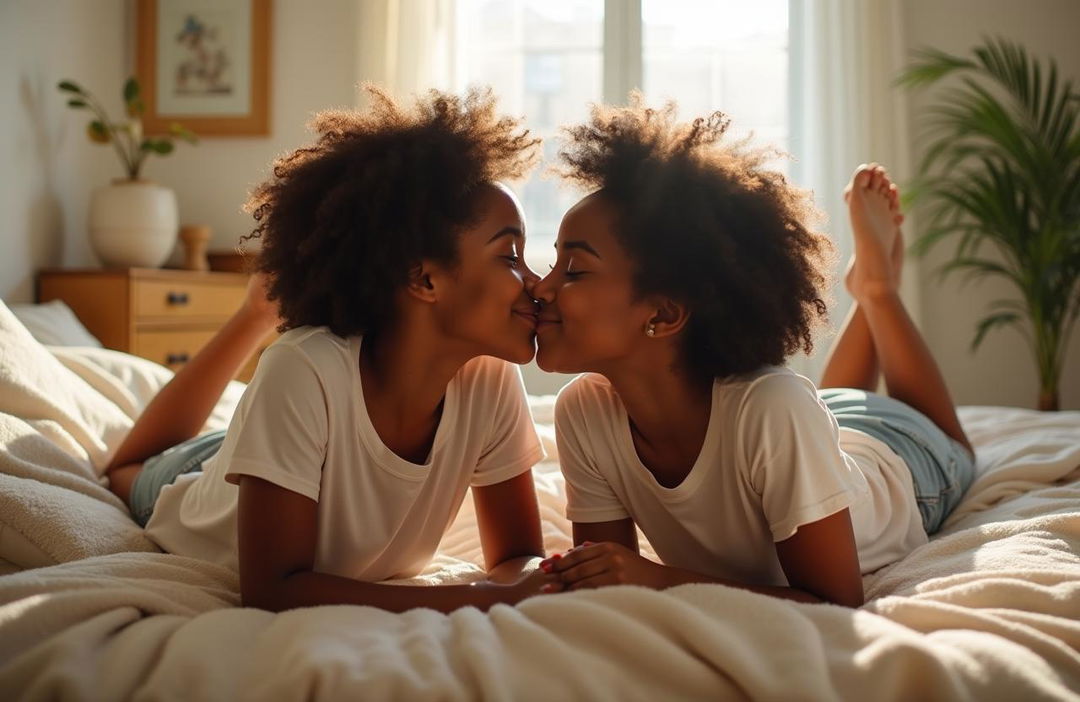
(720, 55)
(549, 59)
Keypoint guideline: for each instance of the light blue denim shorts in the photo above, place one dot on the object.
(164, 468)
(941, 467)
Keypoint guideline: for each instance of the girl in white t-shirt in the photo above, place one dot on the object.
(392, 260)
(682, 284)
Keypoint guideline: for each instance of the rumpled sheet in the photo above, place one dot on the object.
(988, 610)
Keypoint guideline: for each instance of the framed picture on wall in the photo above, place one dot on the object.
(205, 63)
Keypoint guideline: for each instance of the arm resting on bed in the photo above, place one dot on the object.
(277, 531)
(820, 561)
(508, 518)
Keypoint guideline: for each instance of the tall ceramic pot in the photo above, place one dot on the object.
(133, 223)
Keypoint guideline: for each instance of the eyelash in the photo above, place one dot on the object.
(514, 260)
(569, 274)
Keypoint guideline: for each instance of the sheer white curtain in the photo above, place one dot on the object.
(405, 46)
(844, 110)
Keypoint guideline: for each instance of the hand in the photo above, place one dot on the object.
(596, 565)
(535, 583)
(256, 305)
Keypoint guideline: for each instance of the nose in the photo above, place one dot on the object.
(543, 290)
(530, 278)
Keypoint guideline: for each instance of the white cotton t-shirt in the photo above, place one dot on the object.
(773, 459)
(302, 424)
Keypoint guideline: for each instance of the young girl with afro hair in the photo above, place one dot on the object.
(683, 281)
(391, 260)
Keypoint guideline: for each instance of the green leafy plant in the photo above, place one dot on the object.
(126, 137)
(1002, 171)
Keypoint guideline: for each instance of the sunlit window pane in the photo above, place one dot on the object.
(544, 61)
(727, 55)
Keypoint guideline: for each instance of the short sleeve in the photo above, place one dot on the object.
(789, 444)
(279, 431)
(589, 497)
(512, 445)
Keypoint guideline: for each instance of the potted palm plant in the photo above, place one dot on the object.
(132, 221)
(1000, 176)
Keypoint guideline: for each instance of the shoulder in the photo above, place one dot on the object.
(588, 396)
(779, 408)
(488, 370)
(305, 355)
(311, 342)
(486, 380)
(773, 388)
(317, 347)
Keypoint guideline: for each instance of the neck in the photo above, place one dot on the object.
(405, 371)
(665, 404)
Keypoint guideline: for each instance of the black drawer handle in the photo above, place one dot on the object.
(173, 358)
(177, 298)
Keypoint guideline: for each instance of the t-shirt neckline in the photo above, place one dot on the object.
(383, 455)
(697, 472)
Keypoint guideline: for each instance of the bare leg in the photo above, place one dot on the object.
(180, 409)
(911, 373)
(852, 361)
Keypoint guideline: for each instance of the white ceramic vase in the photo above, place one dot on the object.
(133, 223)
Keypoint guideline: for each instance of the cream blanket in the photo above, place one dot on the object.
(989, 610)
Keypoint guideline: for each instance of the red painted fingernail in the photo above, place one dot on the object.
(546, 567)
(556, 556)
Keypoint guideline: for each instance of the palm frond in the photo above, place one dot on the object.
(1001, 169)
(999, 319)
(930, 66)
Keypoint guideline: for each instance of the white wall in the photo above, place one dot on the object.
(50, 167)
(1002, 371)
(48, 164)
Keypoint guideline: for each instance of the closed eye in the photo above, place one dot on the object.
(569, 273)
(514, 260)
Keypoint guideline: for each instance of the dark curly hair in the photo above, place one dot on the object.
(344, 220)
(708, 225)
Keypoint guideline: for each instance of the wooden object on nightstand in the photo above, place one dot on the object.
(163, 315)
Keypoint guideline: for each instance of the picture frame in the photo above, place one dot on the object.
(205, 64)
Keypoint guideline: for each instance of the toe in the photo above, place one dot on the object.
(861, 178)
(875, 177)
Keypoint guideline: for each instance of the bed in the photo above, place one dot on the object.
(90, 609)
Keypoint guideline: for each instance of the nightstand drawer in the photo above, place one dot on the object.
(157, 299)
(172, 348)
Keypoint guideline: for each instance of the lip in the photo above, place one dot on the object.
(530, 317)
(543, 322)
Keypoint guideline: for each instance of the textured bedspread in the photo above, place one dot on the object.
(988, 610)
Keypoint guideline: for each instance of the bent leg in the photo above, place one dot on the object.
(180, 409)
(911, 373)
(852, 360)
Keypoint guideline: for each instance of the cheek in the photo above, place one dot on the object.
(487, 299)
(600, 321)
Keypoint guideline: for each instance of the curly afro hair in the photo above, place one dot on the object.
(708, 225)
(344, 220)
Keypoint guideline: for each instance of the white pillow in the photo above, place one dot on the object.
(36, 387)
(54, 324)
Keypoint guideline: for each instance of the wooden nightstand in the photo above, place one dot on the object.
(163, 315)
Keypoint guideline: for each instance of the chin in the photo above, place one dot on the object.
(550, 363)
(520, 354)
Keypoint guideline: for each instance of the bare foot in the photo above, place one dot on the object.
(872, 202)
